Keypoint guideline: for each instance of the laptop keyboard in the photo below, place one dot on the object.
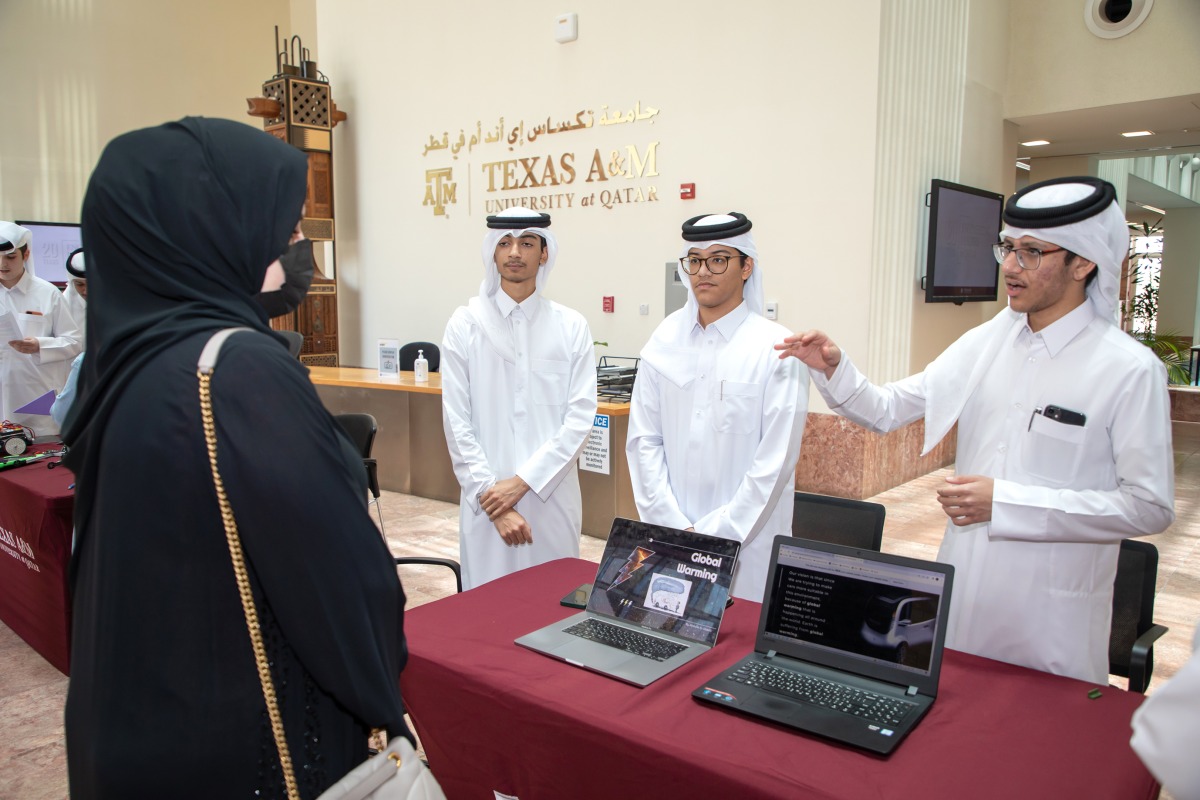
(625, 639)
(827, 694)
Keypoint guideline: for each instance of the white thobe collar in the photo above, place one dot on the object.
(1062, 331)
(507, 305)
(728, 324)
(23, 285)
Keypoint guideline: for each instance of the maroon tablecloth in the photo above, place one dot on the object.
(35, 546)
(494, 716)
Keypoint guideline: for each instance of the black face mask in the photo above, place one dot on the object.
(297, 263)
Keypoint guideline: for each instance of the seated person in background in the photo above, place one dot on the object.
(716, 420)
(62, 402)
(1064, 435)
(518, 402)
(38, 362)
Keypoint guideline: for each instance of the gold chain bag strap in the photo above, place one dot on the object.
(204, 369)
(396, 773)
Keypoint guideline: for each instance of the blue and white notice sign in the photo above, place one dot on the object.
(595, 455)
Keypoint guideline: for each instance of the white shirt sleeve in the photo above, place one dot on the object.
(646, 455)
(550, 463)
(876, 408)
(1143, 501)
(65, 340)
(470, 463)
(1166, 730)
(785, 411)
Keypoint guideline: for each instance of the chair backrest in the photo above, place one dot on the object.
(408, 354)
(361, 428)
(854, 523)
(1133, 603)
(295, 341)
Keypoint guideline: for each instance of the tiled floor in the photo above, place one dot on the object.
(32, 758)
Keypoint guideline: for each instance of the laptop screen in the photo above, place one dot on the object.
(853, 523)
(865, 607)
(665, 579)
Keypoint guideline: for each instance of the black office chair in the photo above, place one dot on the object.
(361, 428)
(1131, 640)
(408, 354)
(295, 341)
(853, 523)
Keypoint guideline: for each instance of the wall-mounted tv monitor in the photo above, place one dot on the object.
(964, 223)
(52, 243)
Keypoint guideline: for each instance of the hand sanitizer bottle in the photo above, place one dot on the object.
(421, 368)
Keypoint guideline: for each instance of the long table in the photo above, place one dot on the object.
(36, 507)
(494, 716)
(411, 451)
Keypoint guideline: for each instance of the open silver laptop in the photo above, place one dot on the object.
(849, 644)
(656, 604)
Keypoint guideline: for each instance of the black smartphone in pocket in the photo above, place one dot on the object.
(1064, 415)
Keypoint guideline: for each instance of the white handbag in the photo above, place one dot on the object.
(394, 774)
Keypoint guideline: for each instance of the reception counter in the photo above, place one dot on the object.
(411, 445)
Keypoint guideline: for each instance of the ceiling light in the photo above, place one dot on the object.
(1023, 165)
(1155, 209)
(1035, 143)
(1130, 134)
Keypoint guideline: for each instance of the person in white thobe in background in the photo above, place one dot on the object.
(1064, 435)
(39, 361)
(1166, 730)
(716, 419)
(518, 401)
(76, 292)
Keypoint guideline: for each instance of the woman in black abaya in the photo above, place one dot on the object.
(180, 223)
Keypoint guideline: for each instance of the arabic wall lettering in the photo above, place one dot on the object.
(503, 173)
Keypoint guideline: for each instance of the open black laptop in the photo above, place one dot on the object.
(657, 603)
(849, 644)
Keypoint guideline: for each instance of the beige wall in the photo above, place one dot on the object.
(778, 116)
(77, 73)
(1057, 64)
(1177, 293)
(770, 111)
(985, 161)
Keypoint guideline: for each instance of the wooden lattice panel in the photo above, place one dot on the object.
(277, 91)
(319, 360)
(310, 104)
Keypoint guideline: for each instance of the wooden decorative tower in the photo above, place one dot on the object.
(297, 106)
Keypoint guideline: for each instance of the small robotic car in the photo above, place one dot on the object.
(14, 439)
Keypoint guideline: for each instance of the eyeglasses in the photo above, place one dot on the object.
(1027, 257)
(716, 264)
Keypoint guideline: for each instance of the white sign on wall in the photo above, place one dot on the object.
(595, 455)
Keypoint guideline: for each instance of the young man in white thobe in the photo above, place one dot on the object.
(518, 400)
(1064, 435)
(76, 292)
(39, 361)
(716, 419)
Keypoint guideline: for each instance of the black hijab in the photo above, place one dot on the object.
(180, 223)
